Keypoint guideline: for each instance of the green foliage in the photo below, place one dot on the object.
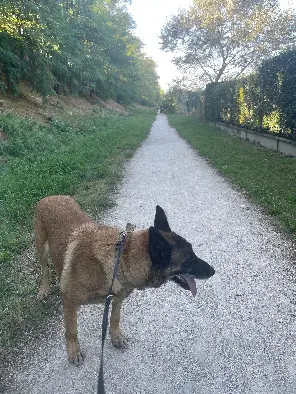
(11, 67)
(218, 39)
(268, 177)
(179, 99)
(185, 100)
(192, 101)
(146, 87)
(168, 103)
(83, 157)
(221, 102)
(75, 47)
(265, 101)
(277, 84)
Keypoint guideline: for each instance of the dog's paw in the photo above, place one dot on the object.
(119, 340)
(75, 355)
(76, 358)
(43, 291)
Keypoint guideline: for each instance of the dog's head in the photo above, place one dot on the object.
(172, 256)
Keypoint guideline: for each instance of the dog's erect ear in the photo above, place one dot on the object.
(159, 249)
(161, 222)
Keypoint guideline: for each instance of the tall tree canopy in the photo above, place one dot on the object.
(74, 46)
(224, 38)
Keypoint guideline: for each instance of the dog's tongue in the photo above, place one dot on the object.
(191, 283)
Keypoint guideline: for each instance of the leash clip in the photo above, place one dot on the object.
(130, 228)
(123, 234)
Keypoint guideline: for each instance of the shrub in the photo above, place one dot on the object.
(264, 101)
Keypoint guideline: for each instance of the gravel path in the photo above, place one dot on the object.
(237, 336)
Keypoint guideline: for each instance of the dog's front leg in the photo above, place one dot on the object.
(73, 349)
(117, 338)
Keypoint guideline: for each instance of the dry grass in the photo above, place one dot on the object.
(30, 105)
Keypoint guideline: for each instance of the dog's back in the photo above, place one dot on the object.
(56, 218)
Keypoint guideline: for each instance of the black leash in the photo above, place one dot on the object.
(118, 253)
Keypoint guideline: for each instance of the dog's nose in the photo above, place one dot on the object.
(212, 272)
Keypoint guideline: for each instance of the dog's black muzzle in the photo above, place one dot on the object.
(193, 269)
(200, 269)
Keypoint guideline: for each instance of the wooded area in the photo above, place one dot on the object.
(75, 47)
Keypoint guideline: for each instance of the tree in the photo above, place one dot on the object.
(74, 46)
(147, 89)
(181, 98)
(222, 39)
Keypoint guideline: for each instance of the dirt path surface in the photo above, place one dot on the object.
(237, 336)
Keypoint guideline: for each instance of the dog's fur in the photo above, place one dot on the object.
(83, 255)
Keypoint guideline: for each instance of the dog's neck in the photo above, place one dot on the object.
(135, 265)
(135, 270)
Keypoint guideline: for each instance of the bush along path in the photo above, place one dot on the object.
(83, 157)
(236, 336)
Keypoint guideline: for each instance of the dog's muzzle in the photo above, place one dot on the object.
(198, 269)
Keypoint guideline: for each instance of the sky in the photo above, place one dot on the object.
(150, 16)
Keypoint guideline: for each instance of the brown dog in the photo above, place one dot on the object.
(83, 255)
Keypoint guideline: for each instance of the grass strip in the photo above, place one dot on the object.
(82, 157)
(268, 177)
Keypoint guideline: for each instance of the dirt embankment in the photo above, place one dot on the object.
(31, 104)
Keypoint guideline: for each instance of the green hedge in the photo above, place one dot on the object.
(264, 101)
